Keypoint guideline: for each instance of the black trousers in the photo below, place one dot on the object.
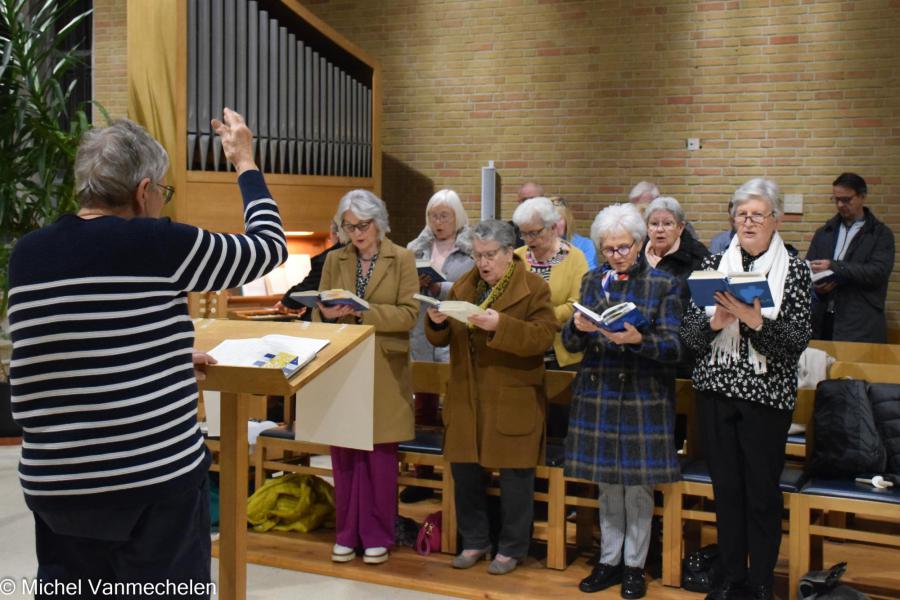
(744, 444)
(516, 508)
(158, 545)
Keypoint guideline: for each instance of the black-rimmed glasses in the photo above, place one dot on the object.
(168, 192)
(361, 227)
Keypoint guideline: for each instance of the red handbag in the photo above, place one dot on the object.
(429, 538)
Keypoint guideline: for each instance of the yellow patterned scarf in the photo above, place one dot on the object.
(498, 289)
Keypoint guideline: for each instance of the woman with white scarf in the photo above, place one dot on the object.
(746, 382)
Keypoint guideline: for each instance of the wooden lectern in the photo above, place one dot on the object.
(351, 348)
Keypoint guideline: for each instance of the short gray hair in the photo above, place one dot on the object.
(365, 205)
(539, 207)
(492, 230)
(112, 161)
(618, 217)
(765, 189)
(451, 199)
(665, 203)
(643, 187)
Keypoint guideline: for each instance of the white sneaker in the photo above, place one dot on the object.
(375, 556)
(342, 553)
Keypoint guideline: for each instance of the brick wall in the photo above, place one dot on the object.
(589, 98)
(110, 69)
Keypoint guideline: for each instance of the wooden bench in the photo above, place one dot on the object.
(859, 351)
(811, 512)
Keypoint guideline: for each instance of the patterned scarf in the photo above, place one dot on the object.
(495, 292)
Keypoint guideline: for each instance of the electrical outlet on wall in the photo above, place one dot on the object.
(793, 203)
(693, 144)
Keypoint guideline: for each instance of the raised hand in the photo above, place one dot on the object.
(237, 140)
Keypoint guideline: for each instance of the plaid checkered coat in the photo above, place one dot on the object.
(623, 412)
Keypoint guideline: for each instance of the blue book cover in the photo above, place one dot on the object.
(425, 267)
(744, 286)
(615, 317)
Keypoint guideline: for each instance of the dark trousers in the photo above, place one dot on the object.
(744, 444)
(516, 508)
(167, 541)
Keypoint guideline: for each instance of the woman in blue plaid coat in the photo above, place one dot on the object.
(621, 426)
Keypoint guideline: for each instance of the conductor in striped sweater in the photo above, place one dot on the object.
(113, 463)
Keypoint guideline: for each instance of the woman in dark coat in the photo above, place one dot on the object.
(620, 430)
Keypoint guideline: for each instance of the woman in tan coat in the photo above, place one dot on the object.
(384, 274)
(494, 411)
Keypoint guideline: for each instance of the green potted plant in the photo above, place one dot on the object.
(40, 132)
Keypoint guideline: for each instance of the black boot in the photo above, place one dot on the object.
(602, 577)
(729, 591)
(761, 592)
(633, 584)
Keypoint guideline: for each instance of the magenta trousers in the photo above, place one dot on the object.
(365, 489)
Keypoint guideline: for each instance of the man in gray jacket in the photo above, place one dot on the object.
(858, 249)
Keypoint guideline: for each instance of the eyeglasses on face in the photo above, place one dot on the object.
(756, 218)
(532, 235)
(620, 250)
(662, 225)
(843, 199)
(488, 256)
(168, 192)
(443, 217)
(361, 227)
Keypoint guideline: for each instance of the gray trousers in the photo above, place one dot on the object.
(516, 507)
(626, 512)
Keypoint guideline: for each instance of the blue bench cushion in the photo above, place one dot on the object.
(278, 432)
(696, 471)
(426, 442)
(796, 438)
(847, 488)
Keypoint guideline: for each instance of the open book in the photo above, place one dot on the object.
(330, 298)
(284, 352)
(424, 267)
(455, 309)
(614, 317)
(746, 287)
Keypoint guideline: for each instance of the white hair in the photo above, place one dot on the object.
(666, 203)
(765, 189)
(644, 187)
(539, 207)
(450, 199)
(615, 218)
(365, 205)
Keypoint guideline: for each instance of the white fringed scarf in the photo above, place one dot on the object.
(726, 347)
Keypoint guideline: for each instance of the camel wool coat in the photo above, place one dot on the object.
(494, 410)
(392, 311)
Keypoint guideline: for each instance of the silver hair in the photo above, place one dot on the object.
(615, 218)
(451, 199)
(643, 187)
(365, 205)
(665, 203)
(765, 189)
(492, 230)
(112, 161)
(539, 207)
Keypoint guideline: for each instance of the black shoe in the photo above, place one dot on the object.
(602, 577)
(633, 584)
(414, 493)
(729, 591)
(761, 592)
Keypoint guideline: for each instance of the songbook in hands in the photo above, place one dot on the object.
(615, 317)
(330, 298)
(425, 268)
(455, 309)
(746, 287)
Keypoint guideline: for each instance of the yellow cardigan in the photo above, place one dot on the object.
(565, 289)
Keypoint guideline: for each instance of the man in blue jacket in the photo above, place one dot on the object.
(858, 249)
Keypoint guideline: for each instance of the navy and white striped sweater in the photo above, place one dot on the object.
(101, 373)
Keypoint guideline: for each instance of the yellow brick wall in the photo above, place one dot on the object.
(590, 97)
(110, 70)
